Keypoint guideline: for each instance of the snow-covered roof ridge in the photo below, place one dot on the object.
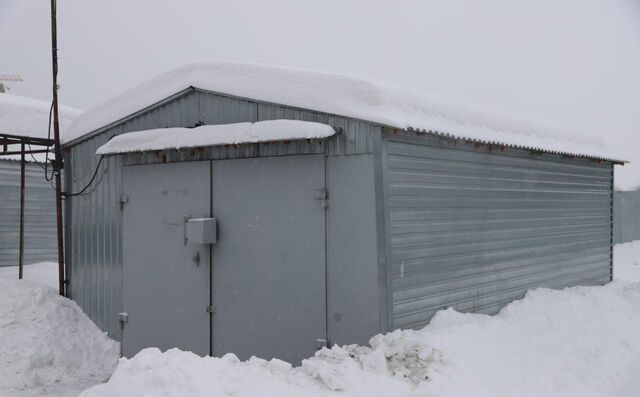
(348, 96)
(214, 135)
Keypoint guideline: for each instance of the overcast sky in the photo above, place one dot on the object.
(573, 63)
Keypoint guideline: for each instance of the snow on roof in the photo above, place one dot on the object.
(213, 135)
(354, 97)
(21, 115)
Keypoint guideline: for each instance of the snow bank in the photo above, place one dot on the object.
(47, 345)
(348, 96)
(212, 135)
(27, 116)
(580, 341)
(627, 262)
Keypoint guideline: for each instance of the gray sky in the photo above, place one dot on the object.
(572, 63)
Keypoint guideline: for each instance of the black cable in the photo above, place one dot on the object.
(44, 168)
(95, 173)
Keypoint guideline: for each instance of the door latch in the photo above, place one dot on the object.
(196, 259)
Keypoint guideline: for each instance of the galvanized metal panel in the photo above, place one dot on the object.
(352, 253)
(473, 228)
(39, 215)
(357, 136)
(626, 216)
(165, 293)
(269, 265)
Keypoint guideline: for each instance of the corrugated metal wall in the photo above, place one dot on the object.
(93, 240)
(40, 220)
(626, 216)
(473, 229)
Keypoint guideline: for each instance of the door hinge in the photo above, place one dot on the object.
(211, 309)
(322, 195)
(123, 200)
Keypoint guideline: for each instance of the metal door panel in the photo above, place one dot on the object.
(269, 262)
(165, 293)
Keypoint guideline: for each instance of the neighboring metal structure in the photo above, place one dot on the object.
(23, 124)
(320, 241)
(626, 216)
(39, 211)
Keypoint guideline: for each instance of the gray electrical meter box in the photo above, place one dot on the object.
(202, 231)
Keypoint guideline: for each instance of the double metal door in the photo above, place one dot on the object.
(259, 290)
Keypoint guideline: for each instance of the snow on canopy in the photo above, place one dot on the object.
(21, 115)
(213, 135)
(354, 97)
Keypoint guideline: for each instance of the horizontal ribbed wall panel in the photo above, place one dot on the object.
(473, 229)
(39, 215)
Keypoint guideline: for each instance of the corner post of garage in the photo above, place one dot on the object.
(22, 171)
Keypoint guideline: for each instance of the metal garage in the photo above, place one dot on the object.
(318, 240)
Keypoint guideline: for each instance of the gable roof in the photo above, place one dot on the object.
(354, 97)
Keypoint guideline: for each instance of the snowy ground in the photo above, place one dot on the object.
(582, 341)
(627, 262)
(48, 347)
(44, 273)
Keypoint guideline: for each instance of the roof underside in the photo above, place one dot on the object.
(374, 102)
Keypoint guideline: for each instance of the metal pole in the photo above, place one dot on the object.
(21, 258)
(57, 162)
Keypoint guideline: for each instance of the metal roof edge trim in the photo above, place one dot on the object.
(513, 146)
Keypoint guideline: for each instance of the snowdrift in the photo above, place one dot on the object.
(581, 341)
(47, 344)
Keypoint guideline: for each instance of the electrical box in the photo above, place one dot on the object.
(202, 231)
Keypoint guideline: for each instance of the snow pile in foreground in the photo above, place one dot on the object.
(212, 135)
(47, 344)
(581, 341)
(627, 262)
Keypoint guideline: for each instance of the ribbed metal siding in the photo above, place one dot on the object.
(356, 136)
(40, 226)
(626, 218)
(473, 229)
